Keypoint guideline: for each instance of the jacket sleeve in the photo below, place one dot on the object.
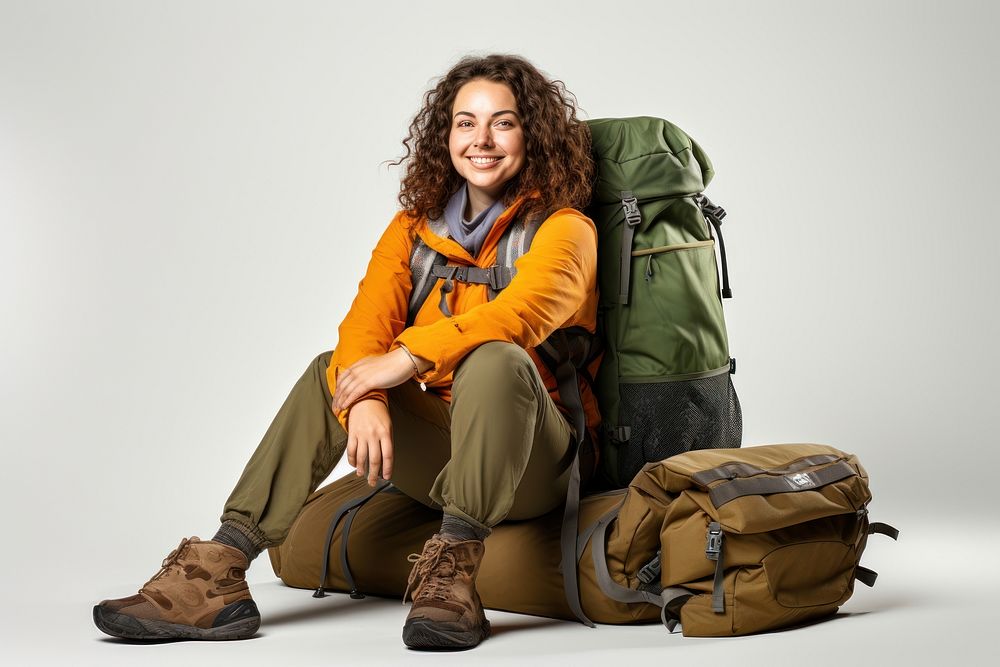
(553, 282)
(378, 313)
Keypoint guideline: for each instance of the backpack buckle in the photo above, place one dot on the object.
(499, 279)
(713, 545)
(710, 209)
(618, 434)
(631, 207)
(650, 572)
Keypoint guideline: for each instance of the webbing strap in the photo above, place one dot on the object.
(879, 528)
(791, 483)
(713, 551)
(422, 262)
(735, 469)
(337, 516)
(445, 291)
(568, 543)
(569, 394)
(714, 215)
(667, 599)
(633, 217)
(718, 592)
(581, 541)
(609, 586)
(865, 576)
(496, 276)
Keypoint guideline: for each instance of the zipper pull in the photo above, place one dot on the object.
(649, 267)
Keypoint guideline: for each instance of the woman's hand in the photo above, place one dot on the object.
(378, 372)
(369, 439)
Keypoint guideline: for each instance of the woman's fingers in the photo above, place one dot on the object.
(361, 458)
(370, 435)
(352, 449)
(386, 443)
(374, 461)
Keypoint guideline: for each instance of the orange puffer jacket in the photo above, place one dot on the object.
(555, 286)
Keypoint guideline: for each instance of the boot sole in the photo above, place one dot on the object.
(130, 627)
(423, 634)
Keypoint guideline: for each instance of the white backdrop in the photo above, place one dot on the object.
(189, 193)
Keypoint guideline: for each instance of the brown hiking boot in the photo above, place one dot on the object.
(200, 593)
(447, 611)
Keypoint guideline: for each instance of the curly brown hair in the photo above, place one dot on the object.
(559, 169)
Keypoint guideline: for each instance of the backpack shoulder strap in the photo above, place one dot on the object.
(516, 241)
(423, 259)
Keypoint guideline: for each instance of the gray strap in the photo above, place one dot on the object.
(883, 529)
(571, 516)
(507, 249)
(865, 576)
(734, 469)
(718, 592)
(445, 291)
(581, 541)
(497, 277)
(713, 551)
(669, 600)
(423, 259)
(609, 586)
(791, 483)
(673, 600)
(632, 219)
(337, 516)
(569, 394)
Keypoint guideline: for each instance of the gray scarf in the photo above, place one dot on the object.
(470, 234)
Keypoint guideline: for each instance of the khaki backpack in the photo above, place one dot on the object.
(748, 540)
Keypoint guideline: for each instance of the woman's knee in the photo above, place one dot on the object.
(496, 362)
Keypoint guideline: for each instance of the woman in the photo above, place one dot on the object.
(495, 144)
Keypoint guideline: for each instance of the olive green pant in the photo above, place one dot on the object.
(500, 450)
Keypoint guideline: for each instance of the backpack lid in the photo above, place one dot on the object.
(651, 157)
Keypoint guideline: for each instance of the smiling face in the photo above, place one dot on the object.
(486, 140)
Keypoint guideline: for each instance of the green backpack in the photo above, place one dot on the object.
(664, 383)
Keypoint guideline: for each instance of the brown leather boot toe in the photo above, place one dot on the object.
(199, 593)
(447, 612)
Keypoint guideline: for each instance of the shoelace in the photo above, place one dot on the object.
(426, 581)
(168, 562)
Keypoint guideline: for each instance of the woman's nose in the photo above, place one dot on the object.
(484, 138)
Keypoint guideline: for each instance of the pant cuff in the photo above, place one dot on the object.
(454, 511)
(255, 537)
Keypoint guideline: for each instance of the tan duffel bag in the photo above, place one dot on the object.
(519, 573)
(725, 541)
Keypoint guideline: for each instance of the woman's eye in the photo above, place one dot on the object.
(464, 123)
(505, 123)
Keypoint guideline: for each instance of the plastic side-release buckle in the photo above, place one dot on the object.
(713, 545)
(650, 572)
(618, 434)
(631, 206)
(732, 365)
(709, 209)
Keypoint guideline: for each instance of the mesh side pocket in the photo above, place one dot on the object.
(670, 418)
